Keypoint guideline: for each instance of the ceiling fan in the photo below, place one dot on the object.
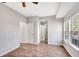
(24, 3)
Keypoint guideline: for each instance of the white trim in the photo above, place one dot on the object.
(74, 46)
(66, 49)
(55, 44)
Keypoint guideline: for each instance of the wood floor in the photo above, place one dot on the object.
(41, 50)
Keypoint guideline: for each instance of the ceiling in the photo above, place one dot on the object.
(42, 9)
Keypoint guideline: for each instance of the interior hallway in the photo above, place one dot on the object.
(41, 50)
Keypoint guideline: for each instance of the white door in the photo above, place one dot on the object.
(30, 32)
(26, 30)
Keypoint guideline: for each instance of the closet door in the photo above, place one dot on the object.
(26, 32)
(30, 32)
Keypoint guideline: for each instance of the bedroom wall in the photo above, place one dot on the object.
(9, 29)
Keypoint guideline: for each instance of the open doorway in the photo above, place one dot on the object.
(44, 32)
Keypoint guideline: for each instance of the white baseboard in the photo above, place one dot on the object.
(55, 44)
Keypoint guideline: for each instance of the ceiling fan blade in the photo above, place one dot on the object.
(35, 3)
(3, 2)
(23, 4)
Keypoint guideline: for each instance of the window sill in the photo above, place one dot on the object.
(76, 48)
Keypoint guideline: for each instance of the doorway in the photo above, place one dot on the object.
(44, 32)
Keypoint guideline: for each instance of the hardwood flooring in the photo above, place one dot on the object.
(41, 50)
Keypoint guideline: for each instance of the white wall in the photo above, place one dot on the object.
(9, 29)
(73, 11)
(54, 31)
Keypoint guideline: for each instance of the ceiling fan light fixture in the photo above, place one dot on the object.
(23, 4)
(35, 2)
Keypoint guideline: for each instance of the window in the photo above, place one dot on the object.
(66, 30)
(75, 30)
(71, 31)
